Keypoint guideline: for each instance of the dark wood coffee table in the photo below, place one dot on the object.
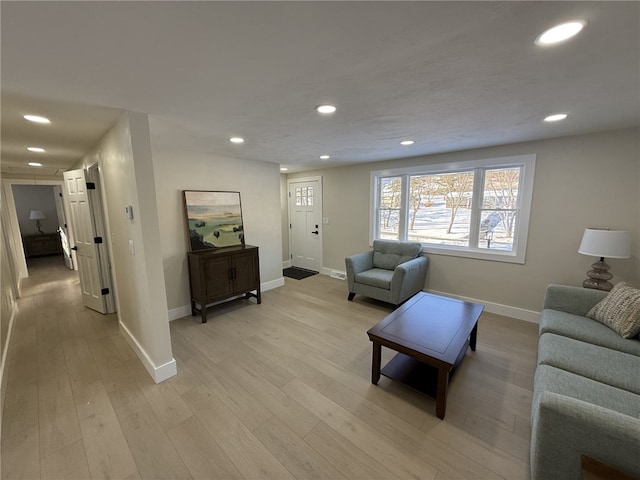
(431, 334)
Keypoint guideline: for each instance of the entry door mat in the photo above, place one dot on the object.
(298, 273)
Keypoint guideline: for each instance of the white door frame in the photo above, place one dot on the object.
(298, 180)
(17, 250)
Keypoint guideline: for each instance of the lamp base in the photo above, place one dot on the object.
(599, 277)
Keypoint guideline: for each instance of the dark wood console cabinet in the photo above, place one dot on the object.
(216, 275)
(44, 244)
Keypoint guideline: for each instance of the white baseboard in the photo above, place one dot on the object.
(158, 373)
(185, 310)
(5, 355)
(277, 283)
(286, 264)
(498, 309)
(333, 273)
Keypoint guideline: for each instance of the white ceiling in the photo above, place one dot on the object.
(450, 75)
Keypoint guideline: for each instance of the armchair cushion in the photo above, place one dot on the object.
(376, 277)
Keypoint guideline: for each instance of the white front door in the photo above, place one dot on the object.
(83, 236)
(305, 222)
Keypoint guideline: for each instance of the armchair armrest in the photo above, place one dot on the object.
(408, 279)
(567, 428)
(576, 300)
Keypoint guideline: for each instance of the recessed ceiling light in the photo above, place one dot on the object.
(324, 157)
(283, 169)
(407, 142)
(34, 164)
(326, 109)
(560, 33)
(36, 149)
(236, 140)
(556, 117)
(36, 119)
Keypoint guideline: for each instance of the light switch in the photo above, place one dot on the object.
(132, 250)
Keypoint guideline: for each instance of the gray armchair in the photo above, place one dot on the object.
(391, 272)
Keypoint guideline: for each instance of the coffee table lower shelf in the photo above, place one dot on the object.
(414, 374)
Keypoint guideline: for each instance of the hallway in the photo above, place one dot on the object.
(64, 360)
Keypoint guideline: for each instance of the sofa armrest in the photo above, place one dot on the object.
(357, 263)
(408, 279)
(565, 428)
(576, 300)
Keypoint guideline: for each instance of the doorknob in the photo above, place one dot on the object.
(316, 232)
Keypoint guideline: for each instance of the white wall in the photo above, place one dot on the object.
(581, 181)
(259, 186)
(8, 307)
(126, 169)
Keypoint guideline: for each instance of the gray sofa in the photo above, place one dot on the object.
(391, 272)
(586, 397)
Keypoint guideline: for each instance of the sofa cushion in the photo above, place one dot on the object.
(597, 363)
(388, 255)
(620, 310)
(587, 330)
(551, 379)
(376, 277)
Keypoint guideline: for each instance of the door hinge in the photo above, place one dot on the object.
(97, 239)
(60, 193)
(104, 291)
(91, 186)
(289, 225)
(289, 194)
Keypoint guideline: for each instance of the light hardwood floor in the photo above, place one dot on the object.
(279, 390)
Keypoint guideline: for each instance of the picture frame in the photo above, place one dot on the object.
(213, 219)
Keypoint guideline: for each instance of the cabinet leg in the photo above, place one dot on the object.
(258, 296)
(193, 308)
(203, 313)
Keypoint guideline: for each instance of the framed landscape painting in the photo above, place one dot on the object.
(214, 219)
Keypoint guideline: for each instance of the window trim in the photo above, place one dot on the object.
(525, 197)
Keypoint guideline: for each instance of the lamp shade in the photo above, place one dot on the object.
(36, 215)
(606, 243)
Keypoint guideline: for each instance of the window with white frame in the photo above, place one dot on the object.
(477, 209)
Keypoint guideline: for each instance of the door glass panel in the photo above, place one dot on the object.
(304, 196)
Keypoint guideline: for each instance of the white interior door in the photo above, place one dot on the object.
(86, 250)
(62, 227)
(305, 222)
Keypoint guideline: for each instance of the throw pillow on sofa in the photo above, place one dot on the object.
(619, 310)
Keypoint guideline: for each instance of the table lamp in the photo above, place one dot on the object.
(37, 215)
(603, 243)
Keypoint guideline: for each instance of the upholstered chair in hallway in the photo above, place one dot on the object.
(391, 272)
